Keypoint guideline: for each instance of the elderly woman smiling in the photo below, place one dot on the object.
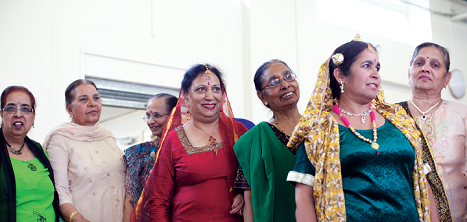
(90, 172)
(26, 177)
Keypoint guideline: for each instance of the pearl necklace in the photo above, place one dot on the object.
(423, 113)
(373, 143)
(357, 115)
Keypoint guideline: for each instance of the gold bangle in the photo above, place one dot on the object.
(72, 215)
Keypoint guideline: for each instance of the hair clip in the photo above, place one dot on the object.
(338, 59)
(207, 72)
(357, 38)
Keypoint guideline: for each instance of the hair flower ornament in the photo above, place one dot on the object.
(338, 59)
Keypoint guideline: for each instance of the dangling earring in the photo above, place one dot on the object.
(33, 125)
(342, 87)
(188, 116)
(72, 119)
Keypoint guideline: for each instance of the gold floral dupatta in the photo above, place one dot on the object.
(320, 132)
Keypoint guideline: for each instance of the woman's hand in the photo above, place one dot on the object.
(79, 218)
(67, 209)
(237, 205)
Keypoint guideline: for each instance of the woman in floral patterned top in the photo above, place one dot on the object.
(139, 158)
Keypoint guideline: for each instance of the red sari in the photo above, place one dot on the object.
(192, 183)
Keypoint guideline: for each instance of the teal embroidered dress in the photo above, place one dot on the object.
(376, 187)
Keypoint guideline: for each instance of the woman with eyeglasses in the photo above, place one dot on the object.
(139, 158)
(262, 153)
(88, 164)
(27, 191)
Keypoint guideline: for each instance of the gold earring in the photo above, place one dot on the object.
(188, 116)
(72, 119)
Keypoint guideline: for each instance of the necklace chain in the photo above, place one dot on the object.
(423, 113)
(373, 143)
(357, 115)
(16, 152)
(212, 140)
(280, 128)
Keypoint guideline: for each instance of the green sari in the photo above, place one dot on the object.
(265, 162)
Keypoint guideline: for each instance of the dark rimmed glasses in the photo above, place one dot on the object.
(154, 116)
(23, 109)
(277, 82)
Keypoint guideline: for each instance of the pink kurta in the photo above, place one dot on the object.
(446, 131)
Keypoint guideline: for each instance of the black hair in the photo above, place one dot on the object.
(70, 90)
(350, 50)
(446, 58)
(170, 101)
(258, 79)
(197, 70)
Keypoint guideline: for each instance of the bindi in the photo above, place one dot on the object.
(17, 102)
(208, 83)
(427, 57)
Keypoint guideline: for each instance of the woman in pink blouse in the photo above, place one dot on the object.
(88, 165)
(444, 124)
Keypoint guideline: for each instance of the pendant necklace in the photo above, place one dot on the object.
(357, 115)
(211, 140)
(423, 117)
(16, 152)
(280, 128)
(373, 143)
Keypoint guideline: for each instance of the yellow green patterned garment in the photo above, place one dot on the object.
(377, 187)
(34, 191)
(320, 133)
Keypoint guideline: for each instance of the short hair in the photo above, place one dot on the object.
(198, 70)
(170, 100)
(70, 90)
(350, 50)
(446, 58)
(11, 89)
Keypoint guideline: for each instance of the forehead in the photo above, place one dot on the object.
(431, 52)
(202, 80)
(16, 96)
(367, 55)
(156, 105)
(277, 68)
(85, 89)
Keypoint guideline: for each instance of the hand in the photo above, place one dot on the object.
(237, 205)
(79, 218)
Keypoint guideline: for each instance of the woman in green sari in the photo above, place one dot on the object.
(262, 152)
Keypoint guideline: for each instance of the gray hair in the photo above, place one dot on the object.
(447, 60)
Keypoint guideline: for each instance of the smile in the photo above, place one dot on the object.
(289, 94)
(209, 106)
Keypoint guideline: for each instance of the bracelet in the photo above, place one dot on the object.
(73, 215)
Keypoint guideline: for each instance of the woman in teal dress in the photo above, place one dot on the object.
(262, 153)
(26, 177)
(358, 158)
(139, 159)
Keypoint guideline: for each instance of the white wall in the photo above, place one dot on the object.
(45, 45)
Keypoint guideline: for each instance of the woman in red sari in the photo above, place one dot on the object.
(195, 166)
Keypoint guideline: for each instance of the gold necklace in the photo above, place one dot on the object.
(211, 140)
(373, 143)
(16, 152)
(280, 128)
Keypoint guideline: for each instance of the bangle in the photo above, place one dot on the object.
(73, 215)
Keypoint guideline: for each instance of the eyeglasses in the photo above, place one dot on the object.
(277, 82)
(23, 109)
(154, 116)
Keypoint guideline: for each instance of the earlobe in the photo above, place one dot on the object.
(338, 75)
